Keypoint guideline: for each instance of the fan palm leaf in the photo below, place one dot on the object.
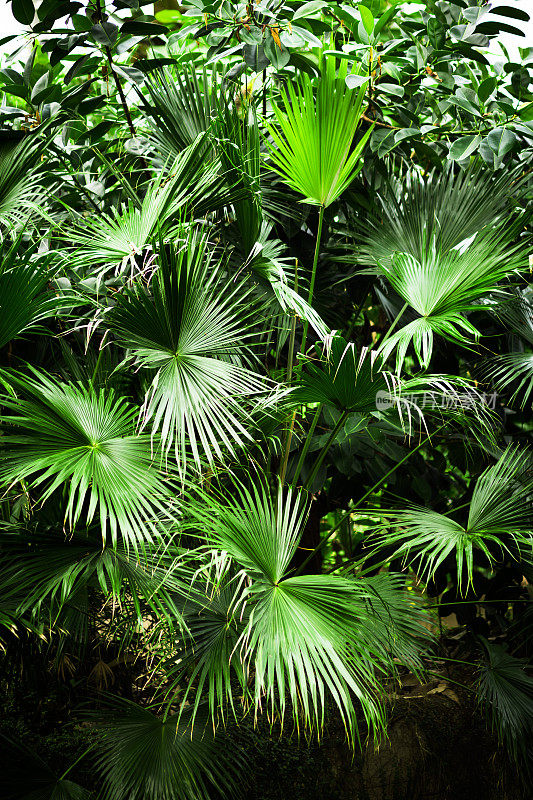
(26, 298)
(441, 244)
(313, 140)
(306, 637)
(25, 776)
(121, 239)
(182, 105)
(514, 371)
(445, 207)
(23, 196)
(68, 435)
(204, 660)
(397, 620)
(144, 757)
(189, 333)
(443, 287)
(43, 576)
(506, 692)
(498, 524)
(345, 379)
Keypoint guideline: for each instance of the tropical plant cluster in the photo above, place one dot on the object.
(266, 374)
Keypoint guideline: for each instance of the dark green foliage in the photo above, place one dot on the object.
(265, 395)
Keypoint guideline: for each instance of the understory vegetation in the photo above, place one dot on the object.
(266, 377)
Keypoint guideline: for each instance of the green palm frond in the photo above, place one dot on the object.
(271, 270)
(349, 380)
(238, 143)
(498, 524)
(182, 105)
(517, 314)
(396, 621)
(514, 371)
(23, 196)
(445, 207)
(144, 757)
(443, 287)
(305, 637)
(12, 623)
(189, 332)
(313, 138)
(344, 378)
(121, 239)
(68, 435)
(506, 692)
(237, 139)
(204, 659)
(26, 297)
(44, 576)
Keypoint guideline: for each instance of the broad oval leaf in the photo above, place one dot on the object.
(464, 147)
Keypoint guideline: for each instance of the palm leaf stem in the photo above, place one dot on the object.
(77, 761)
(313, 273)
(323, 453)
(286, 449)
(292, 337)
(97, 365)
(288, 440)
(307, 444)
(290, 362)
(397, 318)
(372, 489)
